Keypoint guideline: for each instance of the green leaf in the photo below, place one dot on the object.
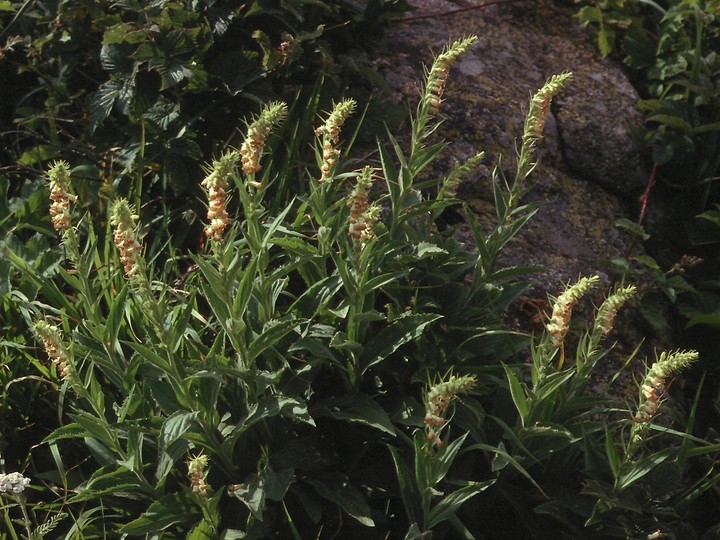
(632, 227)
(271, 335)
(37, 154)
(202, 531)
(357, 408)
(252, 494)
(414, 533)
(451, 503)
(117, 58)
(274, 405)
(277, 483)
(428, 249)
(170, 510)
(507, 459)
(612, 454)
(104, 99)
(633, 471)
(118, 481)
(401, 331)
(408, 488)
(336, 488)
(209, 385)
(671, 121)
(518, 395)
(176, 426)
(6, 5)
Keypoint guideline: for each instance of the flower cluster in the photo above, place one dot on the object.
(438, 399)
(56, 351)
(130, 249)
(251, 150)
(216, 185)
(562, 309)
(330, 132)
(361, 220)
(655, 383)
(59, 180)
(437, 76)
(196, 473)
(13, 483)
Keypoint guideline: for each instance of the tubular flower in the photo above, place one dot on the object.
(59, 179)
(361, 218)
(438, 399)
(251, 150)
(216, 185)
(13, 483)
(437, 76)
(655, 383)
(330, 132)
(562, 309)
(56, 351)
(130, 249)
(196, 473)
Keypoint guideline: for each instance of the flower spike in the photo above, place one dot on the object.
(216, 185)
(257, 134)
(59, 180)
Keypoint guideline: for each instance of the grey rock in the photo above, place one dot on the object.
(589, 160)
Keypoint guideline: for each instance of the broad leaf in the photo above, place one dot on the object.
(336, 488)
(170, 510)
(356, 408)
(389, 339)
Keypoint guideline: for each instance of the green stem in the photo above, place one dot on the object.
(8, 521)
(26, 517)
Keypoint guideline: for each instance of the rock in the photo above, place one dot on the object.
(590, 163)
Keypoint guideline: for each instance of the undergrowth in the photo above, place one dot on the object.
(334, 365)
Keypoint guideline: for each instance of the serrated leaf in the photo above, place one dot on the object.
(427, 249)
(108, 94)
(117, 58)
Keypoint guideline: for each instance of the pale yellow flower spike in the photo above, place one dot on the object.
(257, 134)
(330, 132)
(197, 471)
(59, 180)
(438, 399)
(54, 347)
(653, 389)
(360, 224)
(216, 185)
(562, 308)
(438, 74)
(129, 248)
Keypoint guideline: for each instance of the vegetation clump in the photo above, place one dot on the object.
(328, 361)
